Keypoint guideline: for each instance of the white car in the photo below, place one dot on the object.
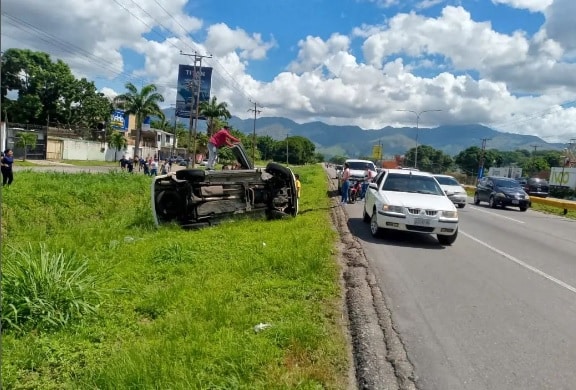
(357, 169)
(453, 189)
(410, 200)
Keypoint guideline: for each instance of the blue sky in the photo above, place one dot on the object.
(352, 62)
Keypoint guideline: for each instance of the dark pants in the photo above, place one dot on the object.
(7, 176)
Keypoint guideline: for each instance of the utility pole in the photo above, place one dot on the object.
(417, 113)
(482, 157)
(256, 112)
(197, 79)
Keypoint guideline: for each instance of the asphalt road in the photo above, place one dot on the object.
(497, 310)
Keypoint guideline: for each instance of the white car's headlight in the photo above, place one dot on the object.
(449, 214)
(393, 209)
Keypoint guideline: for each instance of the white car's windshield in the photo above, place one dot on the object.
(412, 183)
(361, 165)
(447, 181)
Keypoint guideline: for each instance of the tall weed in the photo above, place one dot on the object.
(46, 289)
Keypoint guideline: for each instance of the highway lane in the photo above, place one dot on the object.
(497, 310)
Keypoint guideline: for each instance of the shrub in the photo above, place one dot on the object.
(45, 290)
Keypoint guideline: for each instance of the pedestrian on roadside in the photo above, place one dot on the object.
(220, 139)
(345, 186)
(368, 176)
(7, 162)
(154, 168)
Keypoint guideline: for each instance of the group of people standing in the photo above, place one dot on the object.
(345, 187)
(150, 166)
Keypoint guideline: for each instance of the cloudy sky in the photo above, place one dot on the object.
(509, 64)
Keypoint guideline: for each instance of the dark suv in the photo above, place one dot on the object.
(537, 187)
(198, 197)
(501, 191)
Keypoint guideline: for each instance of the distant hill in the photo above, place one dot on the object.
(353, 141)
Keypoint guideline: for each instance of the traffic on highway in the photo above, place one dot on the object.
(496, 309)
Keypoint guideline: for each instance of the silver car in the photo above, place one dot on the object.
(454, 190)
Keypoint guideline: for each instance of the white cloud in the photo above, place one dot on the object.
(402, 66)
(532, 5)
(109, 92)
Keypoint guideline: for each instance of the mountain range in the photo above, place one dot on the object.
(353, 141)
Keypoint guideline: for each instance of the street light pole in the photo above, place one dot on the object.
(417, 113)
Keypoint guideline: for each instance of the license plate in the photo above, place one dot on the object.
(421, 222)
(515, 201)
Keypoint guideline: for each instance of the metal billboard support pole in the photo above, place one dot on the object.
(197, 80)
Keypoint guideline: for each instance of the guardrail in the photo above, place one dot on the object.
(559, 203)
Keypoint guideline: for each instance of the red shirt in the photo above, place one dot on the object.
(220, 137)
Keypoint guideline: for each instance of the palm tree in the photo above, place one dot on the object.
(26, 140)
(117, 141)
(142, 104)
(214, 110)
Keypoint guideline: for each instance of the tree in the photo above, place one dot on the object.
(48, 91)
(213, 110)
(26, 140)
(141, 104)
(469, 159)
(117, 141)
(265, 145)
(430, 159)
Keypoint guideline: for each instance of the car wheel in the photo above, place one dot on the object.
(492, 202)
(462, 205)
(375, 230)
(476, 199)
(523, 208)
(365, 216)
(447, 240)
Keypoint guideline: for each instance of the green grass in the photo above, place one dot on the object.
(175, 309)
(92, 163)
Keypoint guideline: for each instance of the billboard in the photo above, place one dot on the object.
(119, 120)
(565, 177)
(186, 95)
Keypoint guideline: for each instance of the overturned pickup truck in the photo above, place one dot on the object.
(196, 198)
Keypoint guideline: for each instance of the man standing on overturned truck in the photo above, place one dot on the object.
(218, 140)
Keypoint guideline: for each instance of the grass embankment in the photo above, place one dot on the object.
(542, 208)
(111, 302)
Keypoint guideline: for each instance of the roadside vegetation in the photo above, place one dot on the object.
(95, 296)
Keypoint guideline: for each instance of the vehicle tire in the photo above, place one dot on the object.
(523, 208)
(194, 175)
(462, 205)
(375, 230)
(365, 216)
(275, 167)
(170, 205)
(476, 199)
(447, 240)
(492, 202)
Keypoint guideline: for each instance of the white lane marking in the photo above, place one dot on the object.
(497, 215)
(521, 263)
